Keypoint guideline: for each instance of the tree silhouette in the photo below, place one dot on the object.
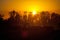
(55, 20)
(14, 17)
(13, 25)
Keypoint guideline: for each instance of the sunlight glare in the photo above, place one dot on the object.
(34, 12)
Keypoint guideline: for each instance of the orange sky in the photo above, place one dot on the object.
(30, 5)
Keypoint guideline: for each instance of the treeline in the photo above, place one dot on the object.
(40, 19)
(12, 27)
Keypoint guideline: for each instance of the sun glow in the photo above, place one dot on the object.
(34, 12)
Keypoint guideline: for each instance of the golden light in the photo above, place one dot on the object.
(34, 12)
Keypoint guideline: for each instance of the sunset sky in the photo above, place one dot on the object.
(30, 5)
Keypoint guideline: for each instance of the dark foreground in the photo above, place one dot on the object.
(31, 33)
(18, 28)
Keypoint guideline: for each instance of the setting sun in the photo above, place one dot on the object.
(34, 12)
